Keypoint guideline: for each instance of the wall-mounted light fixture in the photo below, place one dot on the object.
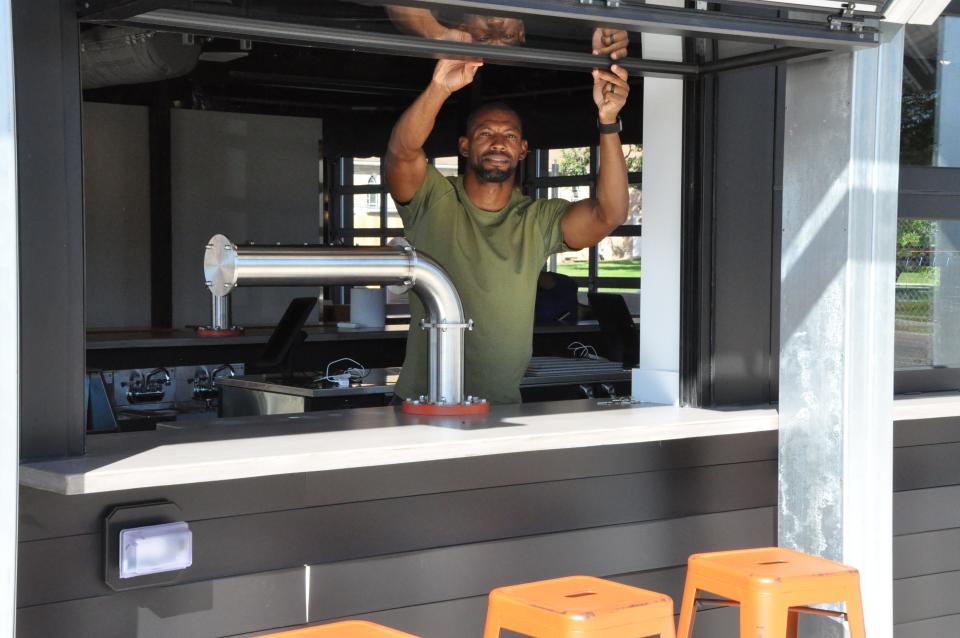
(146, 544)
(155, 549)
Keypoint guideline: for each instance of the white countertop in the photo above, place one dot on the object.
(194, 452)
(181, 453)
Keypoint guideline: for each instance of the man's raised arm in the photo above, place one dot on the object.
(588, 221)
(406, 163)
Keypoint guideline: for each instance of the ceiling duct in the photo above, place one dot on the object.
(130, 55)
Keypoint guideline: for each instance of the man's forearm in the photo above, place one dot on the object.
(413, 128)
(613, 200)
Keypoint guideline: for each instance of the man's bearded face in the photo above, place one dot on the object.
(495, 146)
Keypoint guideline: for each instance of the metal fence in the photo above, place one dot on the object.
(918, 291)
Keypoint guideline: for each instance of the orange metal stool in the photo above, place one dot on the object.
(772, 586)
(345, 629)
(581, 607)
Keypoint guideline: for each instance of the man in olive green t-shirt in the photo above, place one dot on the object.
(490, 238)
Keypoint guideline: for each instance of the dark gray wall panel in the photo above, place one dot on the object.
(48, 515)
(928, 553)
(926, 432)
(50, 193)
(926, 510)
(261, 542)
(926, 597)
(197, 610)
(923, 466)
(116, 180)
(355, 587)
(931, 628)
(743, 268)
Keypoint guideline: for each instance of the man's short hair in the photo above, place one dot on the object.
(486, 108)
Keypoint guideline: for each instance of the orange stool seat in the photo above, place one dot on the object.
(772, 585)
(345, 629)
(580, 606)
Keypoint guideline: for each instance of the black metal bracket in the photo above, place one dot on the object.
(847, 19)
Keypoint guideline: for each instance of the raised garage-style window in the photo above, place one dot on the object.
(927, 342)
(570, 173)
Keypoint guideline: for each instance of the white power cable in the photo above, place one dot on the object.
(582, 351)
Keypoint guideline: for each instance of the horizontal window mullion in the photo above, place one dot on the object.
(363, 232)
(360, 189)
(618, 282)
(627, 230)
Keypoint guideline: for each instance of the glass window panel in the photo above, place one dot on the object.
(366, 210)
(568, 161)
(619, 257)
(365, 169)
(633, 153)
(571, 193)
(927, 294)
(366, 241)
(393, 217)
(930, 130)
(447, 165)
(635, 212)
(575, 263)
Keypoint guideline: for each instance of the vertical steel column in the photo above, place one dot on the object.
(841, 162)
(50, 192)
(10, 328)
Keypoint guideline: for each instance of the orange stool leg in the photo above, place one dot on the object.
(793, 621)
(855, 615)
(668, 630)
(491, 628)
(688, 610)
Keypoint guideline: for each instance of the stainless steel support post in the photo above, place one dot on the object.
(220, 312)
(10, 327)
(841, 167)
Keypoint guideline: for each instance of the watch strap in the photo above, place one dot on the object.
(615, 127)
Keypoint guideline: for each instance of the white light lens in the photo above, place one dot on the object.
(155, 549)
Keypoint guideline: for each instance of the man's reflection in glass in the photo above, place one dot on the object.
(492, 30)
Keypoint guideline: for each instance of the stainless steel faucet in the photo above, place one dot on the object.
(149, 388)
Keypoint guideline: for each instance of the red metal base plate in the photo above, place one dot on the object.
(204, 331)
(456, 409)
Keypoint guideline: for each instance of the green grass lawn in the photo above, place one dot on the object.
(625, 268)
(927, 276)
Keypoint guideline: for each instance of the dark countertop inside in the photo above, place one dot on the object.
(108, 340)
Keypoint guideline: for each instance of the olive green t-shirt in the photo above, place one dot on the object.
(494, 259)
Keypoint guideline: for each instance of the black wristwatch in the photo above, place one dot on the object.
(616, 127)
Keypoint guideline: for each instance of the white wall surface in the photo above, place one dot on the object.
(250, 177)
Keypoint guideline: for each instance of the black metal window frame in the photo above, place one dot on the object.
(929, 192)
(341, 230)
(539, 183)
